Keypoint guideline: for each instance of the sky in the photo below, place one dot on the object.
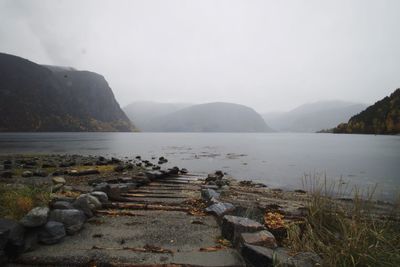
(269, 55)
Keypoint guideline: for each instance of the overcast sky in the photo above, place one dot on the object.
(270, 55)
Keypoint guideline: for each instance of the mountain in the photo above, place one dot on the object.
(48, 98)
(210, 117)
(313, 117)
(144, 113)
(381, 118)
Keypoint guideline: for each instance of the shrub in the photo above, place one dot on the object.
(351, 233)
(17, 200)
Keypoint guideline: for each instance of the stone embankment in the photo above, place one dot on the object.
(140, 214)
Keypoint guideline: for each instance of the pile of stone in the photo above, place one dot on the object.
(44, 225)
(257, 245)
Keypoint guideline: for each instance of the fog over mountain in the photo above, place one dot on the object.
(268, 55)
(209, 117)
(313, 117)
(144, 113)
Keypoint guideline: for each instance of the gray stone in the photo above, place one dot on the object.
(258, 256)
(234, 226)
(4, 233)
(220, 209)
(51, 233)
(36, 217)
(207, 194)
(57, 187)
(154, 175)
(82, 203)
(103, 187)
(58, 180)
(62, 205)
(15, 242)
(27, 174)
(40, 173)
(73, 219)
(101, 196)
(31, 240)
(83, 172)
(3, 258)
(262, 238)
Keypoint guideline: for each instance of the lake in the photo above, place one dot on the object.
(275, 159)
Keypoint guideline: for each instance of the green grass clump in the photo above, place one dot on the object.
(351, 233)
(16, 201)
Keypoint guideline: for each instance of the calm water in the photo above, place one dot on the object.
(276, 159)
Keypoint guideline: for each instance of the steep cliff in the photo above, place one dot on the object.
(46, 98)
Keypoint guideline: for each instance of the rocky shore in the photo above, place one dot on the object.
(134, 212)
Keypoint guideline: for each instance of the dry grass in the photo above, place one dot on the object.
(355, 233)
(16, 201)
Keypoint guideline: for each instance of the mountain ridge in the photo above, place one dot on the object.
(41, 98)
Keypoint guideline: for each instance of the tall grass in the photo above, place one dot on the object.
(16, 201)
(351, 233)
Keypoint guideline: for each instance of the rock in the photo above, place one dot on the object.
(119, 168)
(184, 171)
(48, 165)
(262, 238)
(31, 240)
(219, 174)
(40, 173)
(211, 178)
(4, 233)
(234, 226)
(15, 242)
(258, 256)
(85, 203)
(156, 167)
(36, 217)
(6, 174)
(103, 187)
(27, 174)
(115, 160)
(101, 196)
(261, 256)
(3, 258)
(62, 205)
(57, 187)
(58, 180)
(51, 233)
(73, 219)
(173, 171)
(220, 209)
(7, 166)
(153, 175)
(207, 194)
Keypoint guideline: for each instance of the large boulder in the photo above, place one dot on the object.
(73, 220)
(62, 205)
(51, 233)
(101, 196)
(58, 180)
(234, 226)
(261, 238)
(15, 240)
(87, 203)
(4, 233)
(220, 209)
(207, 194)
(36, 217)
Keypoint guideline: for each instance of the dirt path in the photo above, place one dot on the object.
(150, 226)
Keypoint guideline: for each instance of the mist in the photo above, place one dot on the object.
(269, 55)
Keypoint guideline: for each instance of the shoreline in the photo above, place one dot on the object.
(138, 187)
